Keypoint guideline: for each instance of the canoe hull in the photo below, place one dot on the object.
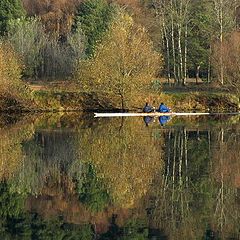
(154, 114)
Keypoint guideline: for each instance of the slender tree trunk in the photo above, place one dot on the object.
(180, 55)
(173, 42)
(180, 58)
(221, 43)
(209, 65)
(197, 73)
(185, 55)
(168, 52)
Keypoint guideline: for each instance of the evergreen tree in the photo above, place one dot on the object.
(94, 17)
(200, 37)
(9, 9)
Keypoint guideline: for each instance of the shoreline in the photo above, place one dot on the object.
(66, 101)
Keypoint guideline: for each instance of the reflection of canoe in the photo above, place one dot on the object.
(155, 114)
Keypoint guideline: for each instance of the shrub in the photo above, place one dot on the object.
(11, 85)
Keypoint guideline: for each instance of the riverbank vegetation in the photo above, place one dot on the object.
(120, 49)
(13, 91)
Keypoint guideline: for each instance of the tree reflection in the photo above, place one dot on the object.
(226, 172)
(126, 158)
(11, 150)
(115, 178)
(197, 196)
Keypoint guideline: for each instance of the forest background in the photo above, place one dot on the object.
(78, 43)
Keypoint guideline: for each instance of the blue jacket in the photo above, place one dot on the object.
(163, 109)
(148, 108)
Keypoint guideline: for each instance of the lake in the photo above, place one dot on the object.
(72, 176)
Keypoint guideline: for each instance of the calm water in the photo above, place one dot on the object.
(76, 177)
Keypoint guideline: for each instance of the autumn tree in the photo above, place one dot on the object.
(56, 15)
(124, 63)
(229, 50)
(223, 22)
(9, 9)
(59, 59)
(11, 85)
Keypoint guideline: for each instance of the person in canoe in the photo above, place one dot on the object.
(163, 108)
(148, 108)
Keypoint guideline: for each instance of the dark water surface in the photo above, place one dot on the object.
(75, 177)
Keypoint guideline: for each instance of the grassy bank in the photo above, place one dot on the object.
(65, 100)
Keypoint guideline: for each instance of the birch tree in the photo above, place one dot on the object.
(174, 18)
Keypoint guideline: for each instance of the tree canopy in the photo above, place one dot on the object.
(94, 17)
(124, 63)
(9, 9)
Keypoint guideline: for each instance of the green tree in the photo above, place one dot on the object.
(94, 17)
(200, 38)
(9, 9)
(11, 203)
(92, 192)
(125, 62)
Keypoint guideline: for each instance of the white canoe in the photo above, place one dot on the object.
(155, 114)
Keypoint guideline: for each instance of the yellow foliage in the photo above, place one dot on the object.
(126, 157)
(11, 85)
(11, 153)
(124, 63)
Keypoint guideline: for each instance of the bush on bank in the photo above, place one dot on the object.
(13, 91)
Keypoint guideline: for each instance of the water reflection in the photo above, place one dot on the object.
(148, 120)
(75, 177)
(163, 120)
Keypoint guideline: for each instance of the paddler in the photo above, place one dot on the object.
(163, 108)
(148, 108)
